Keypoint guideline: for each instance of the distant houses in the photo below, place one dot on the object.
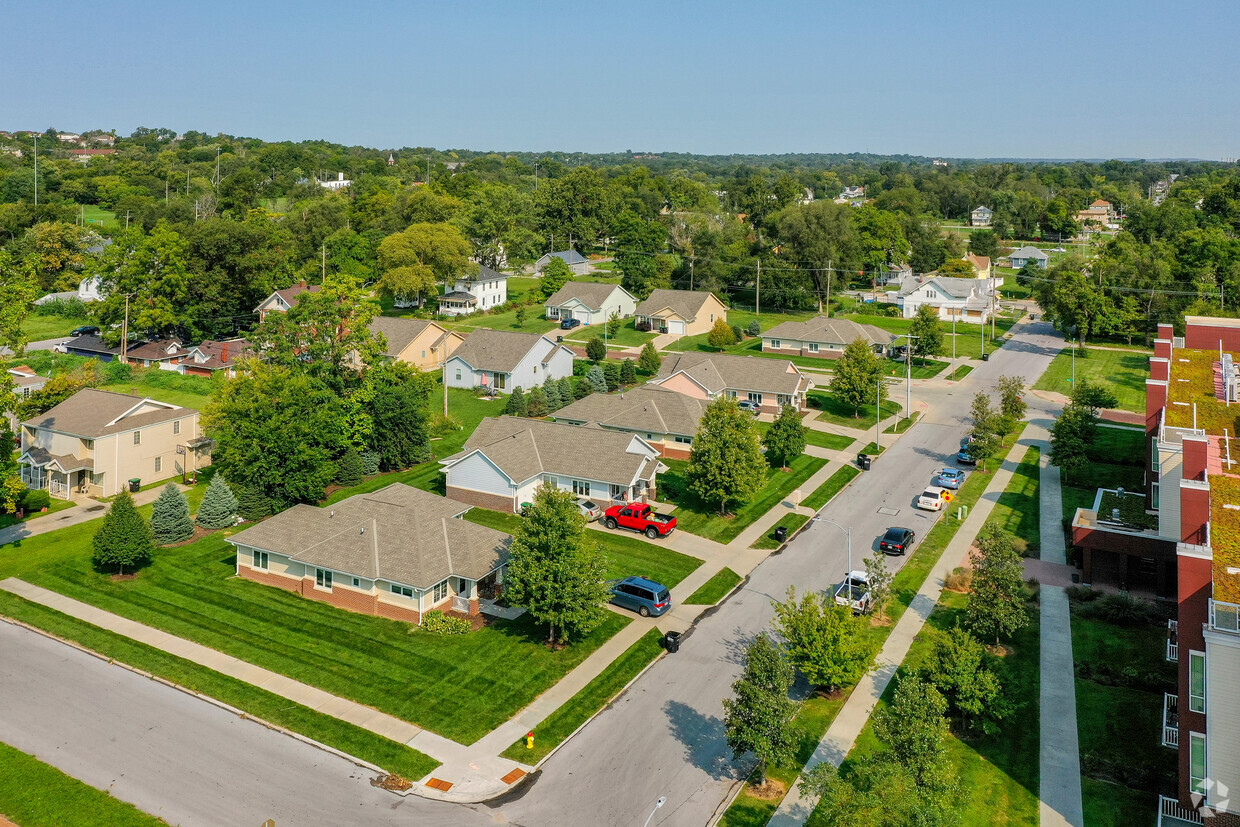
(281, 301)
(981, 216)
(417, 342)
(575, 261)
(1019, 258)
(590, 302)
(486, 290)
(823, 338)
(500, 360)
(959, 299)
(769, 384)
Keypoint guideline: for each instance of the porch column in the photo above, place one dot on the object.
(471, 593)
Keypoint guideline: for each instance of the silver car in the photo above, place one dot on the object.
(589, 509)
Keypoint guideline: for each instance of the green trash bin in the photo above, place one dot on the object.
(135, 485)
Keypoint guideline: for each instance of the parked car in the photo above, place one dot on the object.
(569, 324)
(933, 498)
(964, 457)
(854, 592)
(641, 518)
(898, 353)
(646, 597)
(897, 540)
(746, 405)
(951, 478)
(589, 509)
(85, 330)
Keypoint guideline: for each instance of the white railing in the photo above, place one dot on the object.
(1171, 808)
(460, 604)
(1171, 722)
(58, 489)
(1224, 617)
(1173, 641)
(1177, 342)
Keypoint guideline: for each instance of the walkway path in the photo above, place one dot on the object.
(87, 509)
(842, 735)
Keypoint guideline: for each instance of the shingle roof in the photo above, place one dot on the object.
(67, 462)
(1028, 252)
(591, 294)
(685, 303)
(829, 331)
(91, 343)
(223, 354)
(501, 350)
(397, 533)
(956, 288)
(94, 413)
(399, 332)
(646, 408)
(568, 256)
(290, 294)
(156, 350)
(524, 448)
(717, 372)
(980, 263)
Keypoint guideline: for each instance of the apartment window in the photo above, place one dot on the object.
(685, 440)
(813, 347)
(581, 488)
(403, 591)
(1155, 459)
(260, 559)
(1197, 762)
(323, 579)
(440, 592)
(159, 464)
(1154, 496)
(1197, 681)
(775, 343)
(755, 398)
(357, 582)
(137, 437)
(176, 427)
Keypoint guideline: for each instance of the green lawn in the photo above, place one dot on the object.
(507, 320)
(968, 336)
(1123, 372)
(903, 425)
(166, 386)
(834, 485)
(1112, 805)
(695, 517)
(832, 442)
(562, 723)
(626, 336)
(960, 373)
(713, 590)
(34, 794)
(789, 522)
(751, 347)
(843, 415)
(1017, 510)
(57, 505)
(94, 214)
(38, 327)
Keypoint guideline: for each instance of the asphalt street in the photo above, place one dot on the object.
(44, 344)
(193, 763)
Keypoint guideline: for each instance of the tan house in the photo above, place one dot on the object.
(768, 384)
(981, 265)
(282, 300)
(663, 418)
(824, 338)
(96, 441)
(681, 311)
(398, 553)
(211, 356)
(418, 342)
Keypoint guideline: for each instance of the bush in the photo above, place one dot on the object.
(596, 350)
(370, 462)
(441, 425)
(754, 328)
(1021, 546)
(64, 308)
(1121, 610)
(117, 371)
(438, 623)
(1082, 594)
(349, 471)
(36, 499)
(643, 327)
(959, 580)
(737, 333)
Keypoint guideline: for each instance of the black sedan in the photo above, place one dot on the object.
(569, 324)
(897, 541)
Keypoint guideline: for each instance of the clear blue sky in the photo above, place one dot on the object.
(1087, 78)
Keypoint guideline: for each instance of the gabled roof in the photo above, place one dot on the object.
(1101, 203)
(397, 533)
(400, 333)
(646, 408)
(956, 288)
(289, 294)
(91, 343)
(980, 263)
(684, 303)
(567, 256)
(1027, 252)
(716, 372)
(40, 457)
(157, 350)
(502, 350)
(484, 274)
(94, 413)
(222, 354)
(981, 208)
(829, 331)
(524, 448)
(589, 293)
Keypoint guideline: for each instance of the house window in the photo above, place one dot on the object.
(783, 399)
(323, 579)
(440, 592)
(685, 440)
(137, 437)
(176, 427)
(423, 354)
(775, 343)
(357, 582)
(260, 560)
(501, 380)
(813, 347)
(1197, 681)
(581, 488)
(730, 394)
(755, 398)
(159, 464)
(458, 374)
(403, 591)
(88, 444)
(1197, 762)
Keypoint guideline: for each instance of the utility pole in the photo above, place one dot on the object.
(125, 332)
(36, 170)
(830, 272)
(908, 382)
(955, 313)
(217, 166)
(757, 298)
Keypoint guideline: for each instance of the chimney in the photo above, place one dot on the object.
(303, 284)
(339, 176)
(224, 355)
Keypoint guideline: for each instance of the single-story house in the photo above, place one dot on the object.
(681, 311)
(507, 458)
(1019, 258)
(89, 289)
(768, 383)
(503, 360)
(663, 418)
(91, 346)
(96, 441)
(211, 356)
(575, 261)
(981, 265)
(590, 302)
(417, 342)
(964, 300)
(398, 553)
(484, 291)
(897, 273)
(157, 353)
(823, 337)
(981, 217)
(282, 300)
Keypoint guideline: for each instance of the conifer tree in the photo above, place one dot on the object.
(536, 405)
(124, 540)
(349, 470)
(170, 522)
(516, 403)
(219, 505)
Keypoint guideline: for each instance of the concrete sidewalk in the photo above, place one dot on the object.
(87, 509)
(842, 735)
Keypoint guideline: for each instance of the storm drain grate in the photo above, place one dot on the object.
(890, 512)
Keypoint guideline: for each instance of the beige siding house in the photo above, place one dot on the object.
(418, 342)
(681, 311)
(94, 442)
(663, 418)
(824, 338)
(769, 384)
(282, 300)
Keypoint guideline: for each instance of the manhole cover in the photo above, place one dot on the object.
(890, 512)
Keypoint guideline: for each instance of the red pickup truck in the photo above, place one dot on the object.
(639, 517)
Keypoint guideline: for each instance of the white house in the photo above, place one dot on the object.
(486, 290)
(1019, 258)
(963, 300)
(507, 459)
(981, 217)
(575, 261)
(337, 184)
(590, 302)
(503, 360)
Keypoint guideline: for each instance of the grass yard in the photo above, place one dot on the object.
(713, 590)
(960, 373)
(789, 522)
(35, 794)
(166, 386)
(1119, 445)
(750, 347)
(36, 327)
(832, 442)
(834, 485)
(626, 336)
(903, 425)
(601, 691)
(94, 214)
(1017, 510)
(507, 320)
(843, 415)
(1122, 372)
(695, 517)
(57, 505)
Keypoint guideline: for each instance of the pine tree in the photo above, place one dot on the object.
(124, 540)
(370, 462)
(252, 503)
(536, 405)
(581, 388)
(596, 350)
(726, 464)
(170, 522)
(611, 375)
(628, 373)
(349, 469)
(565, 384)
(597, 380)
(785, 440)
(219, 505)
(649, 361)
(552, 390)
(516, 403)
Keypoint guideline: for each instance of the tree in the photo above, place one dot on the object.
(611, 373)
(414, 260)
(957, 267)
(613, 325)
(823, 640)
(552, 391)
(758, 718)
(349, 468)
(516, 403)
(754, 328)
(554, 572)
(986, 441)
(555, 275)
(596, 351)
(820, 234)
(926, 332)
(400, 414)
(565, 384)
(784, 441)
(1072, 437)
(123, 540)
(858, 377)
(720, 335)
(522, 313)
(726, 462)
(582, 387)
(252, 503)
(914, 731)
(536, 403)
(1011, 400)
(649, 361)
(960, 672)
(219, 505)
(152, 271)
(170, 522)
(996, 606)
(596, 379)
(880, 579)
(1093, 396)
(984, 243)
(628, 373)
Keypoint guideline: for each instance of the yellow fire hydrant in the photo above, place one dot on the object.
(529, 740)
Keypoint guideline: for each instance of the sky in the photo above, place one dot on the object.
(1118, 79)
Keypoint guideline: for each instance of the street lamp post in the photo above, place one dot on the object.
(908, 381)
(443, 351)
(662, 800)
(878, 414)
(847, 534)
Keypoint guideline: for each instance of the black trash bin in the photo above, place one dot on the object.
(671, 642)
(135, 485)
(781, 534)
(985, 357)
(863, 462)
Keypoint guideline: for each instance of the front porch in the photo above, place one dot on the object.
(59, 482)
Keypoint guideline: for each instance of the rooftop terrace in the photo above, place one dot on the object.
(1225, 536)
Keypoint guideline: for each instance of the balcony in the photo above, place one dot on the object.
(1171, 721)
(1224, 617)
(1171, 813)
(1173, 641)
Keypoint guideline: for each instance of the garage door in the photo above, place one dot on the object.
(675, 327)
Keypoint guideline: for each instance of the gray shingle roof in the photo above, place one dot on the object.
(94, 413)
(717, 372)
(568, 256)
(647, 408)
(957, 288)
(829, 331)
(1028, 252)
(685, 303)
(524, 448)
(502, 350)
(397, 533)
(591, 294)
(398, 332)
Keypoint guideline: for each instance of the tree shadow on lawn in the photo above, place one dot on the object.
(704, 741)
